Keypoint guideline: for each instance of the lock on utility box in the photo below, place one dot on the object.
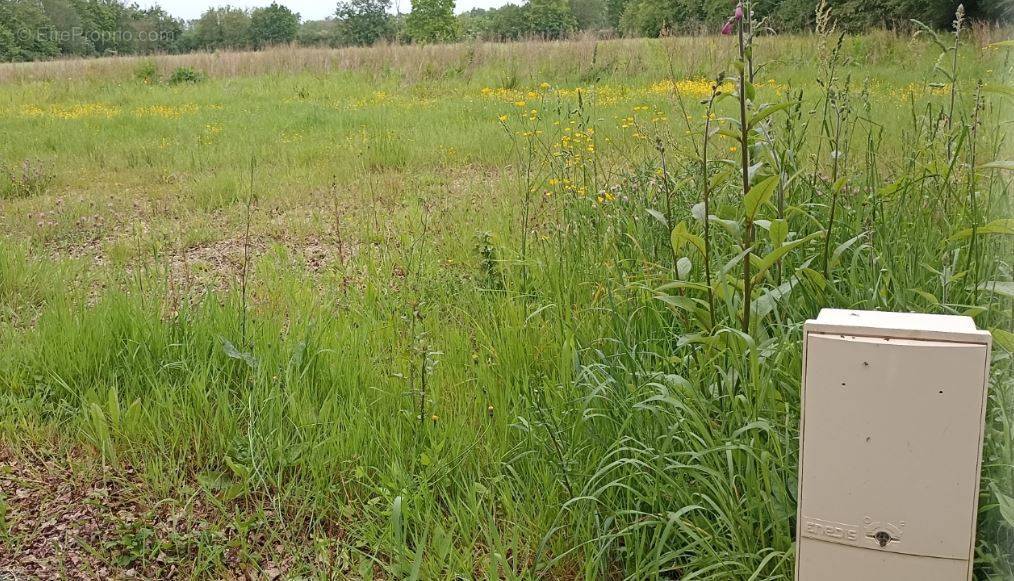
(891, 433)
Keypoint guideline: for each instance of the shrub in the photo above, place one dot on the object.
(147, 72)
(187, 75)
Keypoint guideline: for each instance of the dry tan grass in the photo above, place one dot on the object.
(586, 55)
(411, 61)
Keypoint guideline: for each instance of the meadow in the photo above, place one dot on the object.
(474, 310)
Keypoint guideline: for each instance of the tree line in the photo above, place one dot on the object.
(43, 29)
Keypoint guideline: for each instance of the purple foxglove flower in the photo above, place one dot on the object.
(736, 17)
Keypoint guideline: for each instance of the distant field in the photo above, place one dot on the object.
(419, 311)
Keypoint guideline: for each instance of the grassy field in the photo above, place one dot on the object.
(455, 311)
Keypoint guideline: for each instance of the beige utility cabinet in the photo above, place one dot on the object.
(890, 446)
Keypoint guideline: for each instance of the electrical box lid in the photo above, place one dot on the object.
(953, 328)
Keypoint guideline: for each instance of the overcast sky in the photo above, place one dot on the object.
(307, 9)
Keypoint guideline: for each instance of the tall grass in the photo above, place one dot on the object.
(573, 351)
(518, 61)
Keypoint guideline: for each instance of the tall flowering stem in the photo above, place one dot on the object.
(959, 20)
(706, 188)
(742, 15)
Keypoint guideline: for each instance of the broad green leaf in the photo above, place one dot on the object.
(767, 112)
(719, 179)
(1002, 226)
(658, 216)
(1004, 339)
(814, 277)
(233, 353)
(758, 195)
(767, 302)
(396, 520)
(1006, 505)
(730, 226)
(778, 232)
(928, 296)
(769, 259)
(113, 406)
(973, 312)
(1003, 43)
(677, 238)
(240, 470)
(688, 304)
(680, 236)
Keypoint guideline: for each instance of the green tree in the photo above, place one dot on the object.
(475, 23)
(550, 18)
(862, 14)
(510, 22)
(26, 33)
(996, 10)
(363, 22)
(649, 17)
(224, 27)
(614, 12)
(154, 30)
(318, 32)
(274, 24)
(859, 15)
(104, 23)
(68, 26)
(589, 14)
(431, 21)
